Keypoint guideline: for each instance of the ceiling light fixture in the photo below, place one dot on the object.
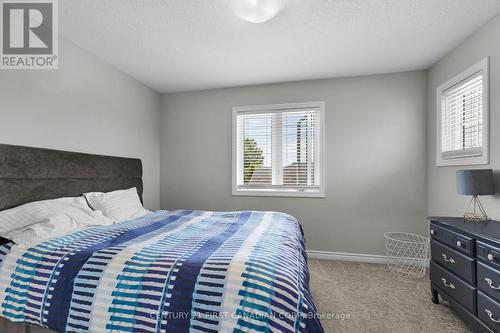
(257, 11)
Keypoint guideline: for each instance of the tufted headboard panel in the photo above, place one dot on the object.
(30, 174)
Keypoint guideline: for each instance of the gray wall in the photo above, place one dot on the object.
(86, 105)
(375, 158)
(442, 197)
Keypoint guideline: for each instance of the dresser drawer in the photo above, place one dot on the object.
(453, 286)
(488, 281)
(489, 311)
(460, 264)
(488, 254)
(454, 240)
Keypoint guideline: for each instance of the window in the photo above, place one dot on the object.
(278, 150)
(462, 118)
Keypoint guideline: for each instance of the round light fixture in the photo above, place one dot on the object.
(257, 11)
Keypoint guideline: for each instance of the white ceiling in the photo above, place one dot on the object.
(180, 45)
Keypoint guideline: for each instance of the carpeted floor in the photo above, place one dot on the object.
(371, 299)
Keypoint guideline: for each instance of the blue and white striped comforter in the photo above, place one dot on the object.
(180, 271)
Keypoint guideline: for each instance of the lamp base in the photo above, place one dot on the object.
(476, 218)
(477, 214)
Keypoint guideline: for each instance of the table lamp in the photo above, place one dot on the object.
(475, 183)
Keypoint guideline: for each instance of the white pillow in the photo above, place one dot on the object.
(75, 209)
(118, 205)
(52, 227)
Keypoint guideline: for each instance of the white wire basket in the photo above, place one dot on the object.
(407, 253)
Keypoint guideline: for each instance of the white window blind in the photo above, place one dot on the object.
(278, 150)
(462, 118)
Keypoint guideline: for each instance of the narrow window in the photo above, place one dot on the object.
(463, 118)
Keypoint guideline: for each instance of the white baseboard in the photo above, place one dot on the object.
(343, 256)
(357, 257)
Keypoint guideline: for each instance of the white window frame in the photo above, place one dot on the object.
(279, 192)
(482, 66)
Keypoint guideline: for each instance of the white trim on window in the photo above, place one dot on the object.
(277, 190)
(472, 156)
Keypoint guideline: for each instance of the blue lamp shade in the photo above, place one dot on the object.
(475, 182)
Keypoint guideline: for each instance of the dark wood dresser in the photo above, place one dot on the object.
(465, 269)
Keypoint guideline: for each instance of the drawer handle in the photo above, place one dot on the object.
(490, 314)
(490, 257)
(451, 286)
(450, 260)
(432, 232)
(490, 282)
(459, 243)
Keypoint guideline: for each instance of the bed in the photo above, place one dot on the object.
(168, 271)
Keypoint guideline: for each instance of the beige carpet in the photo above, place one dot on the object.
(376, 300)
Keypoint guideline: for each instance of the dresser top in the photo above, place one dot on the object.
(489, 231)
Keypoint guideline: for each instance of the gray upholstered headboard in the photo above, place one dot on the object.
(30, 174)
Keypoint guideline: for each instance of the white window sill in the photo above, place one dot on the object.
(278, 193)
(464, 161)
